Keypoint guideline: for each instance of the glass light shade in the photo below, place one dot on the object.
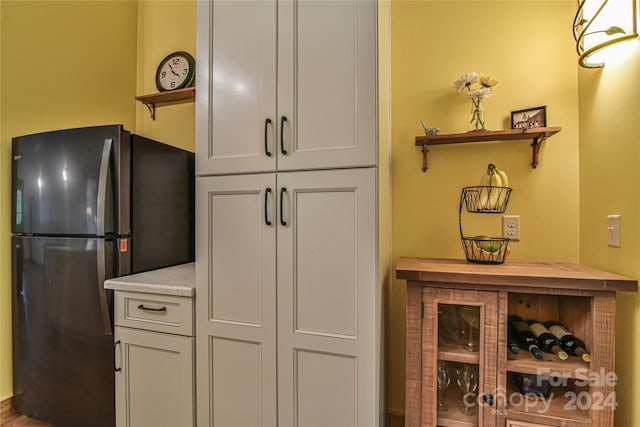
(600, 25)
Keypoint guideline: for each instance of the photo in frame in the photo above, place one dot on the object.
(535, 117)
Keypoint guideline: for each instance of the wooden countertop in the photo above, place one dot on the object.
(513, 274)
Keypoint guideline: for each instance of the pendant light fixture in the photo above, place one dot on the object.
(599, 25)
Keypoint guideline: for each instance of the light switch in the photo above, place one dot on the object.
(613, 230)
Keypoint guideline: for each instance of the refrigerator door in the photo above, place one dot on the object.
(64, 182)
(63, 357)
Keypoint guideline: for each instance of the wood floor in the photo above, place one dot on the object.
(23, 421)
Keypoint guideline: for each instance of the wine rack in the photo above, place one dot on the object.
(568, 395)
(578, 393)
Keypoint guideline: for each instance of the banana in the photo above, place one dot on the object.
(503, 177)
(505, 183)
(489, 197)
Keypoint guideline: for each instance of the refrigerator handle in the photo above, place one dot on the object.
(102, 292)
(102, 186)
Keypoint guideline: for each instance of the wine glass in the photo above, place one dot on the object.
(471, 317)
(467, 379)
(444, 379)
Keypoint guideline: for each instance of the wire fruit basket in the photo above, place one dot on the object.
(491, 200)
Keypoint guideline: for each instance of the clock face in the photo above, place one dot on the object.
(175, 72)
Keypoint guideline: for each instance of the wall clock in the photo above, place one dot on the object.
(176, 71)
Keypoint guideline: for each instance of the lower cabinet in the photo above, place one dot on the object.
(287, 308)
(524, 424)
(460, 370)
(154, 368)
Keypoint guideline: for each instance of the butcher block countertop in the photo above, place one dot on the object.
(557, 275)
(179, 280)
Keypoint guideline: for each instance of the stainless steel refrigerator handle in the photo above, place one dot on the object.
(102, 292)
(102, 186)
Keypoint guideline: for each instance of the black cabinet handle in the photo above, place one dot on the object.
(282, 149)
(115, 368)
(157, 310)
(282, 221)
(488, 399)
(266, 210)
(266, 144)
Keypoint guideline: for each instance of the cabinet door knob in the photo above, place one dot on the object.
(267, 122)
(283, 119)
(488, 399)
(282, 220)
(266, 209)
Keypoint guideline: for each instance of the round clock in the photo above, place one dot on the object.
(176, 71)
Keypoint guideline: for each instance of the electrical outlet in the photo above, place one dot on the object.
(511, 227)
(613, 230)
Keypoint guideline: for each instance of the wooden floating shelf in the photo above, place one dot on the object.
(538, 135)
(153, 99)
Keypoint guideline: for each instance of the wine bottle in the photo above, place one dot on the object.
(525, 337)
(547, 341)
(512, 343)
(569, 342)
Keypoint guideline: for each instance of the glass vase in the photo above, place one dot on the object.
(477, 114)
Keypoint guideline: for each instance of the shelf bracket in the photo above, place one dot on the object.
(152, 109)
(425, 150)
(535, 149)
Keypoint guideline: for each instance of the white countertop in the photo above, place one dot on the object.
(179, 280)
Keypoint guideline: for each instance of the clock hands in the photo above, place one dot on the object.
(174, 73)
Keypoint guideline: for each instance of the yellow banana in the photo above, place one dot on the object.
(489, 197)
(505, 183)
(503, 177)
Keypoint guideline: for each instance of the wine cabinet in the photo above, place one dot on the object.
(459, 370)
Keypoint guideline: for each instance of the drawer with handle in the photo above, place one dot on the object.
(154, 312)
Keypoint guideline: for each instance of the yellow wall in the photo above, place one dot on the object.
(610, 184)
(81, 63)
(165, 27)
(528, 46)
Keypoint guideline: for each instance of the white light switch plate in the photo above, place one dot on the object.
(613, 231)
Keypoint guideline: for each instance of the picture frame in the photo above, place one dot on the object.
(535, 117)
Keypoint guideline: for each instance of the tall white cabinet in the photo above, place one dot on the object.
(288, 323)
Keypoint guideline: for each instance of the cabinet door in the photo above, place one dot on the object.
(236, 300)
(154, 386)
(459, 362)
(327, 84)
(327, 299)
(236, 81)
(511, 423)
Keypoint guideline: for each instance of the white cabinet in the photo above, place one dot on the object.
(236, 306)
(154, 345)
(286, 85)
(327, 344)
(314, 362)
(288, 313)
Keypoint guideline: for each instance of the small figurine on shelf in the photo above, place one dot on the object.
(429, 131)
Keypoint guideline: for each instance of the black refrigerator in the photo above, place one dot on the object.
(88, 204)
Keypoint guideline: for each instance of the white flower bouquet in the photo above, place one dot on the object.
(478, 86)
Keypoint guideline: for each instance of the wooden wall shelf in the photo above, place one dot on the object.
(153, 99)
(538, 135)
